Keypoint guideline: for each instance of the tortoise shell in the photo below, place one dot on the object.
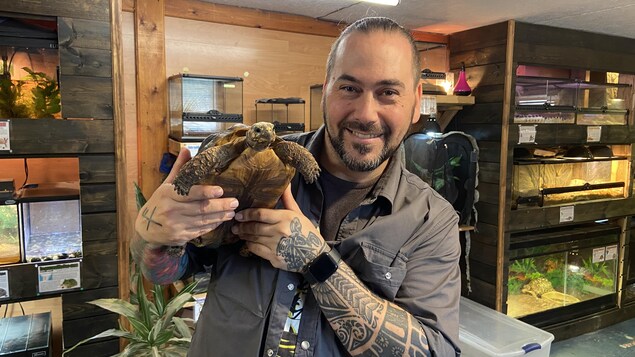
(250, 163)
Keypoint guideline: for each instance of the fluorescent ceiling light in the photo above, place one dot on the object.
(384, 2)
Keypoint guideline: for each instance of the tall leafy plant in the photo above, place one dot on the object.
(46, 94)
(156, 330)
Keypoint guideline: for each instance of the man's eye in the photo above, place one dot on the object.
(390, 92)
(348, 89)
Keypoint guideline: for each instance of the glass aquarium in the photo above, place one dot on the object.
(51, 220)
(603, 103)
(287, 114)
(201, 105)
(552, 176)
(29, 62)
(561, 267)
(9, 234)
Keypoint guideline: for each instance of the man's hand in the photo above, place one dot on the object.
(170, 219)
(285, 237)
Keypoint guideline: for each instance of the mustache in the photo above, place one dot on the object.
(371, 127)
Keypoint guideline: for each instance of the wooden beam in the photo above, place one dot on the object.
(429, 37)
(151, 84)
(124, 225)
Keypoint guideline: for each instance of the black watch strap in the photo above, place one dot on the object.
(322, 267)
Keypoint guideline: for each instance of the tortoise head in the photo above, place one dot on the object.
(260, 136)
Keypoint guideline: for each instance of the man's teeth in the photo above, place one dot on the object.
(364, 136)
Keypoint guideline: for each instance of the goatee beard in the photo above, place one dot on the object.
(349, 160)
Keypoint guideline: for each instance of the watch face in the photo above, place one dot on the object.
(323, 267)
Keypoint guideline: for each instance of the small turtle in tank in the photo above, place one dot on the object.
(537, 287)
(250, 163)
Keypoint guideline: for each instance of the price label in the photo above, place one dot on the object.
(5, 135)
(599, 254)
(593, 134)
(611, 252)
(526, 134)
(567, 214)
(4, 284)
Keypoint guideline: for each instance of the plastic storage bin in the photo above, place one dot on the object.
(487, 332)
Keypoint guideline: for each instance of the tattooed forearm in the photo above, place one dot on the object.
(366, 324)
(148, 218)
(155, 263)
(298, 249)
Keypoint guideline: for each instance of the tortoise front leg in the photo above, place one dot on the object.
(299, 157)
(206, 163)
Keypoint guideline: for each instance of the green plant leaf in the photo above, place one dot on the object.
(159, 300)
(118, 306)
(182, 328)
(107, 333)
(140, 327)
(141, 200)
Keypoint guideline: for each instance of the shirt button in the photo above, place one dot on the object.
(388, 276)
(270, 352)
(305, 345)
(290, 287)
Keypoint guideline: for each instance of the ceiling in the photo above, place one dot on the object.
(614, 17)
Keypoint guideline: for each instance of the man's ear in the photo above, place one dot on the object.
(416, 114)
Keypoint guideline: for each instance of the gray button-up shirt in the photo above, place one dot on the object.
(402, 242)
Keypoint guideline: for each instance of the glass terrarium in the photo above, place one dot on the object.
(561, 267)
(316, 113)
(201, 105)
(29, 62)
(545, 100)
(603, 103)
(9, 233)
(51, 222)
(287, 114)
(552, 176)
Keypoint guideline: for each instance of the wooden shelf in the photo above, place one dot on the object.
(447, 107)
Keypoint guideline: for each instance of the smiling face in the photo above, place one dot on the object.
(370, 100)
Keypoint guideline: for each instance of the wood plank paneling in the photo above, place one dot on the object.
(488, 192)
(99, 226)
(84, 97)
(76, 305)
(556, 134)
(105, 348)
(488, 172)
(489, 151)
(487, 213)
(478, 57)
(77, 61)
(81, 9)
(475, 39)
(486, 233)
(483, 292)
(535, 218)
(97, 168)
(77, 330)
(100, 247)
(80, 33)
(99, 271)
(98, 198)
(46, 137)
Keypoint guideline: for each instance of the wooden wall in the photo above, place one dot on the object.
(483, 51)
(87, 94)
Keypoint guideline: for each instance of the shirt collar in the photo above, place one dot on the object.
(388, 183)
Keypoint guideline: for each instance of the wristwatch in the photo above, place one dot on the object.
(322, 267)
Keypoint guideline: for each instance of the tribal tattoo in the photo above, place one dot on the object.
(144, 214)
(298, 250)
(366, 324)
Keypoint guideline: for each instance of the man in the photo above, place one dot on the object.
(395, 290)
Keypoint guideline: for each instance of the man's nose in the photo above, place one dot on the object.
(367, 108)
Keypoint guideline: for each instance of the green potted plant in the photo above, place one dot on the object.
(156, 330)
(46, 94)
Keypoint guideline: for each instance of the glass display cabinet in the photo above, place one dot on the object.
(543, 100)
(552, 176)
(200, 105)
(561, 267)
(51, 222)
(287, 114)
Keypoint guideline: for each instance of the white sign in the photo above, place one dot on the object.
(593, 134)
(611, 252)
(428, 104)
(599, 254)
(5, 135)
(58, 277)
(526, 134)
(566, 214)
(4, 284)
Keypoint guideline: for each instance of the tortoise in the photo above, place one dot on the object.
(250, 163)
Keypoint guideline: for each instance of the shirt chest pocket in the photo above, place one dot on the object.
(381, 270)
